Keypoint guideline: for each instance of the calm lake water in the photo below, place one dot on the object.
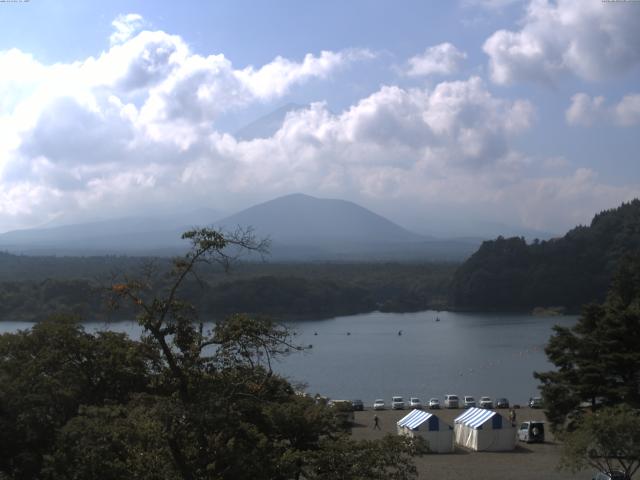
(362, 356)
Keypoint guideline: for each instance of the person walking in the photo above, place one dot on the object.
(512, 417)
(376, 422)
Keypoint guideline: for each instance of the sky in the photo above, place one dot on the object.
(434, 114)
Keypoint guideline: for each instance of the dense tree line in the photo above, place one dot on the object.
(508, 273)
(285, 290)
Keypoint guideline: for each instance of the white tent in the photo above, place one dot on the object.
(484, 431)
(428, 426)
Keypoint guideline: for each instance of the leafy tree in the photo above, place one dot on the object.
(388, 459)
(237, 418)
(606, 440)
(597, 360)
(47, 373)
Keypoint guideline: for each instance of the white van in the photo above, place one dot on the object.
(451, 401)
(531, 432)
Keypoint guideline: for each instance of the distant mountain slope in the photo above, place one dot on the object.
(268, 125)
(299, 219)
(302, 228)
(568, 271)
(132, 235)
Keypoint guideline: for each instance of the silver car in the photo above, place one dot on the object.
(486, 402)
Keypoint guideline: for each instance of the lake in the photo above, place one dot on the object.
(363, 356)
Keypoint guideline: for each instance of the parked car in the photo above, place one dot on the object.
(611, 475)
(414, 402)
(502, 403)
(434, 404)
(397, 403)
(535, 402)
(378, 404)
(357, 405)
(486, 402)
(451, 401)
(531, 432)
(469, 401)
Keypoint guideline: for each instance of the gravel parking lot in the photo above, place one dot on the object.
(526, 462)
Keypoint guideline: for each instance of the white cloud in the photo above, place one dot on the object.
(442, 59)
(584, 110)
(590, 39)
(125, 26)
(134, 130)
(627, 111)
(275, 78)
(587, 111)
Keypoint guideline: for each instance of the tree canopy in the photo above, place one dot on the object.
(597, 360)
(508, 273)
(607, 440)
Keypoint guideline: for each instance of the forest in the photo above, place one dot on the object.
(567, 272)
(31, 288)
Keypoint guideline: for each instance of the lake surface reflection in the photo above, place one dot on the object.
(363, 356)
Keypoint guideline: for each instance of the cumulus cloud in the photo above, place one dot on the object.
(125, 26)
(442, 59)
(587, 111)
(591, 40)
(134, 129)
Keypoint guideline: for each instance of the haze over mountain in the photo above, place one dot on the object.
(131, 236)
(301, 228)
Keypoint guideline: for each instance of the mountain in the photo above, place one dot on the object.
(508, 273)
(130, 235)
(304, 220)
(301, 228)
(267, 125)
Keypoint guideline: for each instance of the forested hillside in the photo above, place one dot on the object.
(508, 273)
(31, 288)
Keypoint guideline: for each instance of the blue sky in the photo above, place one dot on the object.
(435, 114)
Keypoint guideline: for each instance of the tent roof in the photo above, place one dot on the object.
(475, 417)
(414, 419)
